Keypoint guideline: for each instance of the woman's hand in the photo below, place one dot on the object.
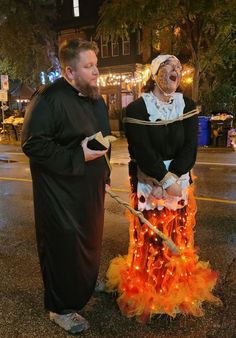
(174, 190)
(157, 192)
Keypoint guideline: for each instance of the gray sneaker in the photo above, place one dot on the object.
(71, 322)
(100, 286)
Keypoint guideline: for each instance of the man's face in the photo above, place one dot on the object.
(169, 75)
(85, 74)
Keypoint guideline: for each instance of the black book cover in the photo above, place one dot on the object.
(98, 142)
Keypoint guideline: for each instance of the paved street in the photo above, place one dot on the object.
(21, 299)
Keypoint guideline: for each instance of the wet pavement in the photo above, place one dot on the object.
(21, 292)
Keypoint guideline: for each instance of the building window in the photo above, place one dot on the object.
(76, 7)
(126, 46)
(115, 48)
(104, 49)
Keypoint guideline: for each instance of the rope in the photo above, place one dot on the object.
(161, 123)
(169, 243)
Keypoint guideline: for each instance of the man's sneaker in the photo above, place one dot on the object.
(100, 286)
(71, 322)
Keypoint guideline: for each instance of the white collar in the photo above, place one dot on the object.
(159, 110)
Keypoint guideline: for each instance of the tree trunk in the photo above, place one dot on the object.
(196, 78)
(146, 44)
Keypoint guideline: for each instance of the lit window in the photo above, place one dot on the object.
(115, 48)
(104, 49)
(126, 46)
(76, 7)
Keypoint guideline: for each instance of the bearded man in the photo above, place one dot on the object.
(68, 182)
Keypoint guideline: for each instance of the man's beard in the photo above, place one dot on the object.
(88, 91)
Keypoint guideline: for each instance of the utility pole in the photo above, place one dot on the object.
(4, 98)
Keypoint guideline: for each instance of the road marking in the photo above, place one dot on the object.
(210, 199)
(126, 160)
(118, 161)
(217, 163)
(217, 200)
(14, 179)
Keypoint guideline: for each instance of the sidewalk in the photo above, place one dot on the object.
(120, 153)
(122, 141)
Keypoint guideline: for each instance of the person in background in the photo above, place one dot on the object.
(69, 182)
(161, 128)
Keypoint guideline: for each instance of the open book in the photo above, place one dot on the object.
(99, 142)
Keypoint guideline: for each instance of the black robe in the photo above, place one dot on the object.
(68, 192)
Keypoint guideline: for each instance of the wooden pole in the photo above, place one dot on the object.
(168, 241)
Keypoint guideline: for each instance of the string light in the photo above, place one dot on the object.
(114, 79)
(138, 77)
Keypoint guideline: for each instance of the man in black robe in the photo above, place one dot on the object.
(68, 182)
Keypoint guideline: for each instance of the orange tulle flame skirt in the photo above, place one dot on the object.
(151, 279)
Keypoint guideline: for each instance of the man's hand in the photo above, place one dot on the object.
(174, 190)
(89, 154)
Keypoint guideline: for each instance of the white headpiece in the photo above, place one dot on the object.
(155, 65)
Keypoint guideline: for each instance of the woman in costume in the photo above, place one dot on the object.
(161, 129)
